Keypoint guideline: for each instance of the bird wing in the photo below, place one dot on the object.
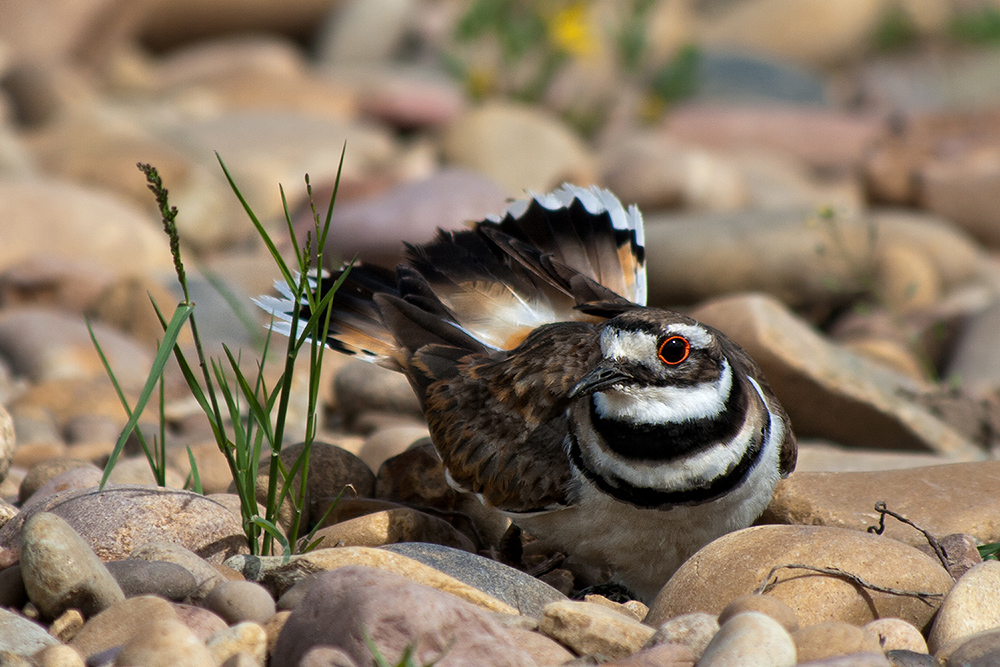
(499, 420)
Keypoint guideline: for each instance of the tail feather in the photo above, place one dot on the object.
(489, 287)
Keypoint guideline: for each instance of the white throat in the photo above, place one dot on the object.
(662, 405)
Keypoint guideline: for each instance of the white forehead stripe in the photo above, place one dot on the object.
(666, 405)
(641, 346)
(696, 335)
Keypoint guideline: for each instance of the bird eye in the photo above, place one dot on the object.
(674, 350)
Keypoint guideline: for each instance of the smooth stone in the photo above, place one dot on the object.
(141, 577)
(114, 521)
(278, 576)
(631, 608)
(351, 508)
(895, 634)
(832, 639)
(42, 473)
(523, 148)
(589, 628)
(415, 477)
(662, 655)
(933, 497)
(708, 582)
(164, 643)
(968, 607)
(372, 227)
(364, 387)
(823, 456)
(543, 650)
(976, 650)
(118, 623)
(21, 636)
(750, 639)
(202, 622)
(78, 224)
(911, 659)
(8, 441)
(347, 604)
(59, 655)
(765, 604)
(972, 357)
(838, 396)
(854, 660)
(239, 601)
(392, 526)
(205, 576)
(693, 630)
(385, 443)
(961, 553)
(519, 590)
(135, 470)
(247, 637)
(61, 571)
(69, 623)
(12, 592)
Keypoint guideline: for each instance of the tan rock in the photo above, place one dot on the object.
(933, 497)
(740, 563)
(750, 639)
(59, 655)
(895, 634)
(823, 456)
(545, 651)
(765, 604)
(967, 609)
(391, 526)
(279, 577)
(828, 391)
(520, 147)
(246, 637)
(907, 279)
(693, 630)
(163, 643)
(589, 628)
(831, 639)
(116, 624)
(388, 442)
(662, 655)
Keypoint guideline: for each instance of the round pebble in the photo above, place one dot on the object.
(765, 604)
(61, 571)
(694, 630)
(238, 601)
(143, 577)
(750, 639)
(969, 607)
(895, 634)
(165, 643)
(832, 639)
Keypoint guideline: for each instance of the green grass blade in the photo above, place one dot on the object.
(181, 314)
(193, 477)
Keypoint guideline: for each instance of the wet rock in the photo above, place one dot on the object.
(708, 581)
(693, 630)
(60, 570)
(279, 576)
(238, 601)
(345, 601)
(136, 577)
(933, 497)
(520, 147)
(831, 639)
(593, 629)
(838, 396)
(519, 590)
(116, 520)
(966, 610)
(749, 640)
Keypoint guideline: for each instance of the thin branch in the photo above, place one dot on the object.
(923, 596)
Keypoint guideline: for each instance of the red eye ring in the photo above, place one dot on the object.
(673, 350)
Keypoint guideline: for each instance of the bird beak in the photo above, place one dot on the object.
(605, 375)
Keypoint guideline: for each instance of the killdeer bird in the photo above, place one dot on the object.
(626, 436)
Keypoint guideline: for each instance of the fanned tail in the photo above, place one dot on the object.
(544, 260)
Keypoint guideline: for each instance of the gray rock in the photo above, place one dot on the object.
(61, 571)
(238, 601)
(352, 601)
(205, 576)
(144, 577)
(115, 520)
(518, 589)
(21, 636)
(12, 593)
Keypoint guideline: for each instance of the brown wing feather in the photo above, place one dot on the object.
(499, 421)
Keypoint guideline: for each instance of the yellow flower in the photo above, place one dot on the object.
(570, 32)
